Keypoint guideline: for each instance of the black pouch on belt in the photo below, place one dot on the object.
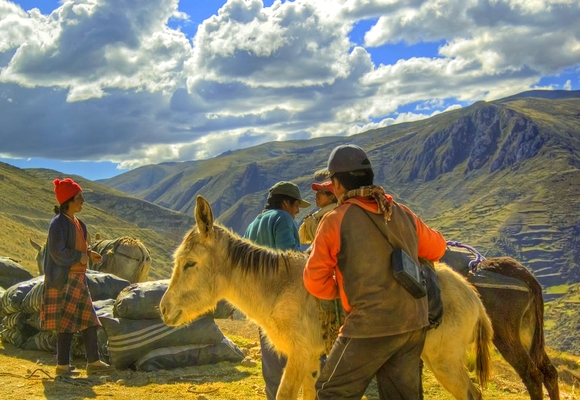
(408, 274)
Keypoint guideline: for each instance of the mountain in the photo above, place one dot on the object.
(26, 207)
(503, 176)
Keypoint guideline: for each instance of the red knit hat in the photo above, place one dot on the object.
(65, 189)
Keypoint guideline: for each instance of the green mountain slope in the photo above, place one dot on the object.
(26, 207)
(503, 176)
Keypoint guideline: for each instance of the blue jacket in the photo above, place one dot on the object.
(275, 229)
(60, 253)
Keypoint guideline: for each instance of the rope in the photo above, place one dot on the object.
(61, 378)
(28, 375)
(478, 257)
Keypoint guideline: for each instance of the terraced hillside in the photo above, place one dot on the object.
(503, 176)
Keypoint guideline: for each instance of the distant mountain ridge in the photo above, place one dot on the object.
(503, 176)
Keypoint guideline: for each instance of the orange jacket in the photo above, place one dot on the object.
(323, 279)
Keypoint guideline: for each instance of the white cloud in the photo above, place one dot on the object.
(114, 70)
(101, 44)
(288, 44)
(568, 85)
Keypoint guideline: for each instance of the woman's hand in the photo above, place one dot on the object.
(84, 259)
(95, 257)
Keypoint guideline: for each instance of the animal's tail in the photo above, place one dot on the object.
(483, 343)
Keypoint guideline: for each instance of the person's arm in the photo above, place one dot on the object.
(57, 246)
(285, 233)
(319, 273)
(307, 230)
(432, 244)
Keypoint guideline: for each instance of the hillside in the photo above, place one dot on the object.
(26, 207)
(503, 176)
(562, 318)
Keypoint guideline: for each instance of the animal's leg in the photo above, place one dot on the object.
(312, 374)
(449, 369)
(294, 375)
(518, 357)
(550, 377)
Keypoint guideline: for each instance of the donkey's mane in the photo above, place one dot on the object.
(249, 257)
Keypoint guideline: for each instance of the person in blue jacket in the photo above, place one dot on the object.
(275, 228)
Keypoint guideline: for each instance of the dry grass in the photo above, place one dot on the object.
(219, 381)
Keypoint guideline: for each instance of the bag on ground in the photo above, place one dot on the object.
(129, 339)
(15, 320)
(11, 301)
(33, 299)
(104, 286)
(185, 356)
(141, 301)
(12, 273)
(43, 340)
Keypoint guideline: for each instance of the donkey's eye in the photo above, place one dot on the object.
(189, 264)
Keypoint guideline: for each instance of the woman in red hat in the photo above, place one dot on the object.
(326, 200)
(67, 306)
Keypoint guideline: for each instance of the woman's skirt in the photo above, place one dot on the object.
(69, 309)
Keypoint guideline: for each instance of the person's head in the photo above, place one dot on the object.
(324, 194)
(348, 168)
(285, 196)
(68, 195)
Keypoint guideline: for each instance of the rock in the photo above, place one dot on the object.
(249, 362)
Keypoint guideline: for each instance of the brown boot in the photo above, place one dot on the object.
(100, 368)
(66, 370)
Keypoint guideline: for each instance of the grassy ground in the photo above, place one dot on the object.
(219, 381)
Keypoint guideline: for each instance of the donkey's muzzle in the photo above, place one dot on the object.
(170, 317)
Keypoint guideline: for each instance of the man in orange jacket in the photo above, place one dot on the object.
(384, 332)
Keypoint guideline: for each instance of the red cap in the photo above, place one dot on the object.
(326, 186)
(65, 189)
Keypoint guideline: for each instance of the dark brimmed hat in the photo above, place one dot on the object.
(291, 190)
(344, 158)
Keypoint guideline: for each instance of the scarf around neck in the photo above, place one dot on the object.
(376, 193)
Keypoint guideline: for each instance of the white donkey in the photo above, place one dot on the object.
(213, 263)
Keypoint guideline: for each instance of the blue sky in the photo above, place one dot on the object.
(98, 87)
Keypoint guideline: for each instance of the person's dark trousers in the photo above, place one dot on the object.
(63, 343)
(352, 364)
(272, 368)
(91, 344)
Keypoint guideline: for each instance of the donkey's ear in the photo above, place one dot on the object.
(36, 246)
(203, 216)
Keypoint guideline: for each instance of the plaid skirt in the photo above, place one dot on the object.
(70, 309)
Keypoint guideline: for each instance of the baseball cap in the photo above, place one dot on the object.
(291, 190)
(344, 158)
(326, 186)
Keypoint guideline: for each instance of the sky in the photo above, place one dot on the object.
(98, 87)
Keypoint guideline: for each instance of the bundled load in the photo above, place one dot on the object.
(141, 301)
(12, 273)
(133, 334)
(20, 305)
(138, 337)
